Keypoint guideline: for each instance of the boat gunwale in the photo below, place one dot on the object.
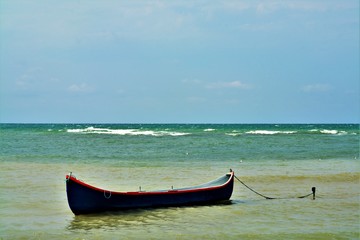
(157, 192)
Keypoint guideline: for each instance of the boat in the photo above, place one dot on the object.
(85, 199)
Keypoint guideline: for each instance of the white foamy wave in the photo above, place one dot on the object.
(209, 130)
(267, 132)
(333, 132)
(133, 132)
(233, 134)
(326, 131)
(329, 131)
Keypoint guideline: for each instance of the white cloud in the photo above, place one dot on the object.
(81, 88)
(23, 81)
(272, 6)
(234, 84)
(217, 85)
(316, 88)
(36, 79)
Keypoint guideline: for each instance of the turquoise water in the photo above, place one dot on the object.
(280, 160)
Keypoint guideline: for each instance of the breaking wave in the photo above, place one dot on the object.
(273, 132)
(234, 133)
(267, 132)
(209, 130)
(133, 132)
(183, 130)
(326, 131)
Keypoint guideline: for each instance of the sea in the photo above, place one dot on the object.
(282, 161)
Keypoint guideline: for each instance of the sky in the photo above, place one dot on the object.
(219, 61)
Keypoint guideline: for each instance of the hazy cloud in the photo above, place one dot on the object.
(36, 79)
(316, 88)
(266, 7)
(234, 84)
(81, 88)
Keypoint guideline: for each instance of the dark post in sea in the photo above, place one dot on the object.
(313, 189)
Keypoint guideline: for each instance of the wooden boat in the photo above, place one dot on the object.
(84, 198)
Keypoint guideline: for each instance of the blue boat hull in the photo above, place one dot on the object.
(85, 199)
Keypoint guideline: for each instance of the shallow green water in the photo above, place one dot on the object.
(278, 161)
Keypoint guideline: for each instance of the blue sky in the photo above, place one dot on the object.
(179, 61)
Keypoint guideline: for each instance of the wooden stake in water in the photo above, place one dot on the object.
(313, 189)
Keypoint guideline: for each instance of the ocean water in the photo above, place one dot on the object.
(278, 160)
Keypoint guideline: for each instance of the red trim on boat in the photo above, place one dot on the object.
(170, 191)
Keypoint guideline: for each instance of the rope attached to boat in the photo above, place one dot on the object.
(313, 189)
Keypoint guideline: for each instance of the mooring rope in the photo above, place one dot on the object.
(266, 197)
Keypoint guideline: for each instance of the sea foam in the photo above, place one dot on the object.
(327, 131)
(134, 132)
(209, 130)
(267, 132)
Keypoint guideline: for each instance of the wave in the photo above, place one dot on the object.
(209, 130)
(276, 132)
(181, 131)
(132, 132)
(268, 132)
(330, 132)
(234, 133)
